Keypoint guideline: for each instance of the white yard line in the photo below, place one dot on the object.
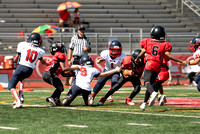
(11, 128)
(195, 122)
(124, 112)
(137, 124)
(70, 125)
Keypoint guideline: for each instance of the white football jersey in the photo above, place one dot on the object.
(84, 76)
(196, 54)
(29, 54)
(111, 64)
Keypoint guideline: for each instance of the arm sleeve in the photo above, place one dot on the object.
(168, 47)
(97, 73)
(88, 43)
(103, 54)
(41, 54)
(71, 45)
(19, 47)
(62, 57)
(142, 44)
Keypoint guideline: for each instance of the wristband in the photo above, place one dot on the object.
(69, 59)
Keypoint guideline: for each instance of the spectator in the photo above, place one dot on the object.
(76, 17)
(65, 19)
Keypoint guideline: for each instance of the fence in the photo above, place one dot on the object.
(130, 39)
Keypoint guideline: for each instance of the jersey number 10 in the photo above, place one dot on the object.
(31, 55)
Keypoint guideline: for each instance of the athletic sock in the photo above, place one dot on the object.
(56, 93)
(20, 88)
(15, 95)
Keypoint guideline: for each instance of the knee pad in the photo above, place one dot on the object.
(137, 89)
(61, 88)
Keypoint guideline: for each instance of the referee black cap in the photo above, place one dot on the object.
(80, 27)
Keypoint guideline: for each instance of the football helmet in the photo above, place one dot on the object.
(86, 60)
(115, 48)
(57, 47)
(158, 33)
(195, 43)
(135, 53)
(35, 38)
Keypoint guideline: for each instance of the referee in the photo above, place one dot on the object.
(80, 45)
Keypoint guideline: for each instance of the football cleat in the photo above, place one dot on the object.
(57, 101)
(194, 84)
(110, 99)
(154, 95)
(51, 101)
(143, 105)
(162, 100)
(102, 101)
(17, 104)
(67, 100)
(90, 100)
(129, 101)
(21, 97)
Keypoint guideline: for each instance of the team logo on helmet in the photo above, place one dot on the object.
(57, 47)
(115, 48)
(158, 33)
(195, 43)
(35, 38)
(86, 61)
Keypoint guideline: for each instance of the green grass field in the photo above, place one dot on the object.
(180, 115)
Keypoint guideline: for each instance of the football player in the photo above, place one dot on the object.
(131, 72)
(83, 76)
(155, 48)
(195, 48)
(163, 75)
(112, 58)
(55, 67)
(29, 52)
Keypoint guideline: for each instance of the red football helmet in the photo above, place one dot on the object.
(195, 43)
(115, 48)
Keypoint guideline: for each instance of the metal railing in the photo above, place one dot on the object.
(191, 5)
(99, 41)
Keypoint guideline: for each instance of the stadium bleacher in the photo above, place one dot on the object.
(26, 15)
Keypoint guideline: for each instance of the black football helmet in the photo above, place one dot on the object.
(86, 60)
(195, 43)
(115, 45)
(158, 33)
(135, 53)
(57, 47)
(35, 38)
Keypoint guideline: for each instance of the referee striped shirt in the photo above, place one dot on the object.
(77, 44)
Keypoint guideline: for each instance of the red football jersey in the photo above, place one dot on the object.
(54, 66)
(164, 73)
(128, 65)
(155, 51)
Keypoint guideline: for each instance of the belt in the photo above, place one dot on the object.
(76, 57)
